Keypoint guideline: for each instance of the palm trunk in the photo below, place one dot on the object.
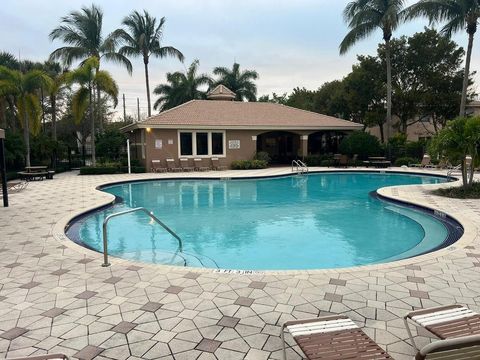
(3, 114)
(466, 75)
(147, 81)
(98, 112)
(464, 174)
(26, 133)
(92, 123)
(53, 101)
(389, 88)
(382, 135)
(42, 100)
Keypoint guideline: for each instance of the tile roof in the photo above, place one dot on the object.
(241, 115)
(221, 92)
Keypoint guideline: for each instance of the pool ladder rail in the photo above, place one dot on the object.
(300, 166)
(150, 214)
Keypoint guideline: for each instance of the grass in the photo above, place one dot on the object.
(470, 192)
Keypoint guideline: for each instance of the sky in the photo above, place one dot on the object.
(289, 43)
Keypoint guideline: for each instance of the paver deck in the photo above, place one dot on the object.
(55, 296)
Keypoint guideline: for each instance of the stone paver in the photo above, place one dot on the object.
(56, 297)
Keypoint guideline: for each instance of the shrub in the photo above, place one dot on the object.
(249, 164)
(103, 170)
(415, 149)
(405, 161)
(316, 160)
(360, 143)
(327, 163)
(262, 155)
(469, 192)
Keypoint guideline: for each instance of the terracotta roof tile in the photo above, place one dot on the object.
(217, 114)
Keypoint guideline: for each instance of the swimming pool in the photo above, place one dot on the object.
(319, 221)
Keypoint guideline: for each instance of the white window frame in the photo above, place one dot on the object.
(194, 143)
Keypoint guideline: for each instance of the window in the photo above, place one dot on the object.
(217, 143)
(186, 145)
(201, 143)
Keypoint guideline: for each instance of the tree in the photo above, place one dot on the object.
(366, 16)
(240, 82)
(55, 91)
(459, 15)
(459, 138)
(181, 87)
(275, 99)
(24, 88)
(87, 77)
(142, 37)
(82, 31)
(301, 98)
(329, 99)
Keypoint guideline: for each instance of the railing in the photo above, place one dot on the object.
(150, 214)
(301, 167)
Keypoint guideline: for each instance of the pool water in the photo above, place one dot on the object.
(319, 221)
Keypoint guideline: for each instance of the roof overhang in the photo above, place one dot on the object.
(243, 127)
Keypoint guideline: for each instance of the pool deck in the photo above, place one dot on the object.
(56, 297)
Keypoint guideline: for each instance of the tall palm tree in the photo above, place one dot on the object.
(142, 36)
(55, 91)
(240, 82)
(363, 18)
(87, 77)
(458, 15)
(24, 88)
(82, 31)
(181, 87)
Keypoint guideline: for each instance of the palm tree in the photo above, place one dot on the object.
(24, 88)
(181, 87)
(142, 37)
(459, 15)
(87, 77)
(366, 16)
(82, 31)
(55, 91)
(240, 82)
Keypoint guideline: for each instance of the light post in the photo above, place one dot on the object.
(3, 168)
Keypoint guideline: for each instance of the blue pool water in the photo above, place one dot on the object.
(317, 221)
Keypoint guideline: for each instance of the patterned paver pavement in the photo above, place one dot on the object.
(55, 296)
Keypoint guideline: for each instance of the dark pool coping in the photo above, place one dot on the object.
(454, 228)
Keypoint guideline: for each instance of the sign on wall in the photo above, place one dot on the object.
(170, 141)
(158, 144)
(234, 144)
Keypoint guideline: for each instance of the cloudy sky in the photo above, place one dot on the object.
(289, 42)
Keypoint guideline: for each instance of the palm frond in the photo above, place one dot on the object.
(80, 102)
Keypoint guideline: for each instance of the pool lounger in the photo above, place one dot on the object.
(445, 322)
(339, 338)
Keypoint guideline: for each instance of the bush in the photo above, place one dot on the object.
(263, 156)
(316, 160)
(415, 149)
(360, 143)
(249, 164)
(110, 145)
(464, 192)
(327, 163)
(103, 170)
(405, 161)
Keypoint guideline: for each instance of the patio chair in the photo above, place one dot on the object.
(16, 185)
(185, 165)
(425, 162)
(338, 337)
(445, 322)
(199, 165)
(157, 167)
(171, 166)
(216, 165)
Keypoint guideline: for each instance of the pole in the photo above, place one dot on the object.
(3, 168)
(128, 156)
(138, 109)
(124, 110)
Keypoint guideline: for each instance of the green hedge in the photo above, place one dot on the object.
(102, 170)
(249, 164)
(317, 160)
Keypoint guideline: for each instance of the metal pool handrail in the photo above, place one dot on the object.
(299, 164)
(146, 211)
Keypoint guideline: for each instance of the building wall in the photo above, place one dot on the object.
(169, 142)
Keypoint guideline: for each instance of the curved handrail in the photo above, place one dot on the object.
(299, 164)
(146, 211)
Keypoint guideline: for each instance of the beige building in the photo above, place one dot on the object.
(232, 130)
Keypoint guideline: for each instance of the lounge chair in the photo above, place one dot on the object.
(157, 167)
(199, 165)
(216, 165)
(16, 185)
(185, 165)
(425, 162)
(171, 166)
(339, 338)
(445, 322)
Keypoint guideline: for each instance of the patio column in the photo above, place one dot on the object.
(304, 142)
